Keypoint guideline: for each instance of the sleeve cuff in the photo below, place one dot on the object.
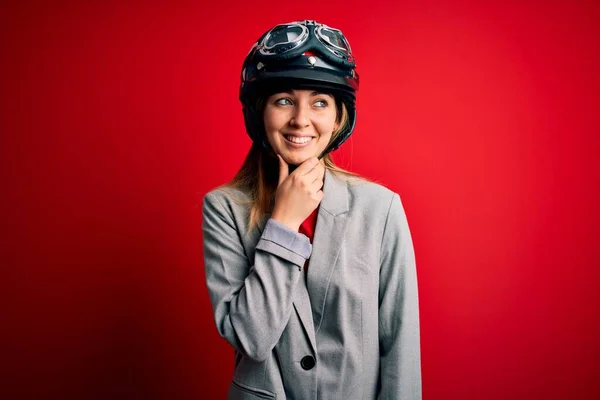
(279, 234)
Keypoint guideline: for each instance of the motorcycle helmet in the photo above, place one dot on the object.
(298, 55)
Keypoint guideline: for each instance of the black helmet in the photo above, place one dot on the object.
(299, 55)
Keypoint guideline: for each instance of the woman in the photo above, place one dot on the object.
(310, 269)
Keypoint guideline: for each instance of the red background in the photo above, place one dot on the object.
(116, 118)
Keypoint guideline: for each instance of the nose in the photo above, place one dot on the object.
(300, 118)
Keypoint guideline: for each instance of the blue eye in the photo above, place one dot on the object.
(321, 103)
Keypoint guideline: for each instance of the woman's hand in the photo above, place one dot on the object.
(299, 193)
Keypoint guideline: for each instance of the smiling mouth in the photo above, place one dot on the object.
(297, 139)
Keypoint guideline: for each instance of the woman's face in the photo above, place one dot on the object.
(299, 123)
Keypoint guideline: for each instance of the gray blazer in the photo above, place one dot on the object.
(347, 327)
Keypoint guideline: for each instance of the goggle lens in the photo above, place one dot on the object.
(335, 39)
(283, 34)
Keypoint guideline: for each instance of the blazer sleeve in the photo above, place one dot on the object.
(251, 303)
(399, 338)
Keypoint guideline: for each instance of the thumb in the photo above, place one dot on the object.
(284, 170)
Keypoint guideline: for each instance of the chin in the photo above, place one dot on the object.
(297, 159)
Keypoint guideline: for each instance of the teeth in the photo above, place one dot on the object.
(299, 140)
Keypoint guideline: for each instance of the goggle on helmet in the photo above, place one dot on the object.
(299, 55)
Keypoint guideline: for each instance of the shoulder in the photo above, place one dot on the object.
(383, 209)
(226, 198)
(369, 194)
(369, 190)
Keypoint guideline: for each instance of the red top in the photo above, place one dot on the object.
(308, 228)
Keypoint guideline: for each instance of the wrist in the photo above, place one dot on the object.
(290, 224)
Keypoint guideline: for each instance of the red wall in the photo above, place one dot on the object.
(116, 118)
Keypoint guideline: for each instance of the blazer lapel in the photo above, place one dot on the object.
(332, 222)
(303, 308)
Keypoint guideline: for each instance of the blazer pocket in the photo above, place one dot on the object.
(238, 391)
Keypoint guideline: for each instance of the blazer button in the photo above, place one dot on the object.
(307, 362)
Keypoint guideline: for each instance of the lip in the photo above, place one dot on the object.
(297, 145)
(297, 135)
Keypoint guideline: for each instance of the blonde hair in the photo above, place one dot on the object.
(259, 173)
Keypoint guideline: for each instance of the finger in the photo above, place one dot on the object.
(321, 168)
(316, 185)
(306, 166)
(320, 195)
(316, 173)
(284, 170)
